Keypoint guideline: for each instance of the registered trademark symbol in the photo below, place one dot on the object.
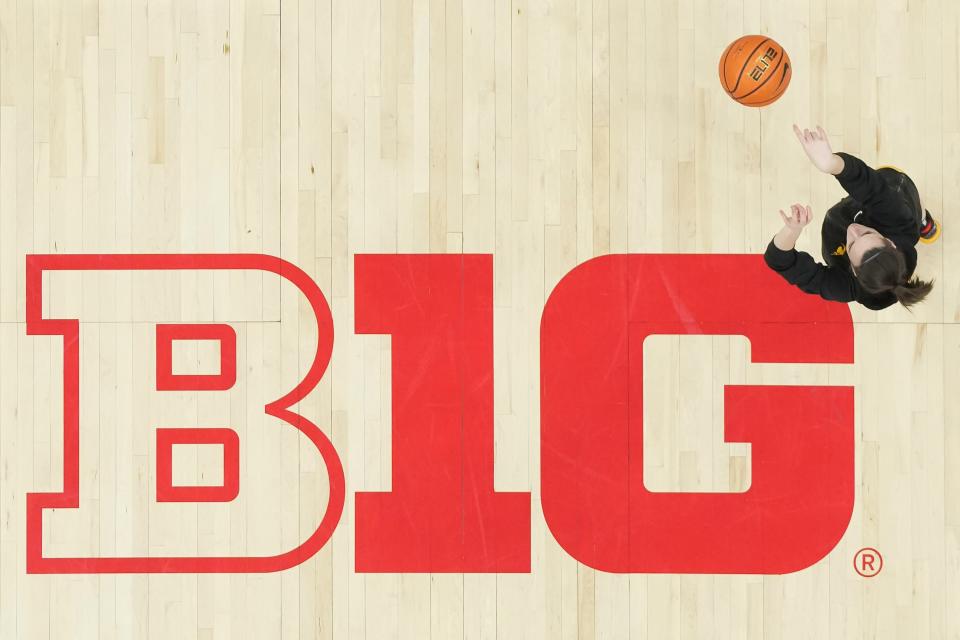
(868, 562)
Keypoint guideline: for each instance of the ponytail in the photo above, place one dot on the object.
(885, 269)
(912, 292)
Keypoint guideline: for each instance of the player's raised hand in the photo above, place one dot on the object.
(799, 217)
(816, 145)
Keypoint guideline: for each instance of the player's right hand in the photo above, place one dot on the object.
(799, 217)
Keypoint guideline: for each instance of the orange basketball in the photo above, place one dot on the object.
(755, 70)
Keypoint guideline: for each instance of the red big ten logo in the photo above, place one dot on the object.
(442, 514)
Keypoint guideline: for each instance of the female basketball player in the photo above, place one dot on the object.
(868, 238)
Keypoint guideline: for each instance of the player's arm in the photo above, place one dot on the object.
(862, 182)
(799, 268)
(865, 185)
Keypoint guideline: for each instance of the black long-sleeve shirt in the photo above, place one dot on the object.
(874, 202)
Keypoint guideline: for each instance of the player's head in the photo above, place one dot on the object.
(862, 239)
(880, 266)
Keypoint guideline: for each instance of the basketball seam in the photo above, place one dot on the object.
(786, 69)
(783, 54)
(723, 67)
(746, 62)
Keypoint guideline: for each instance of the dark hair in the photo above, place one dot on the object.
(885, 269)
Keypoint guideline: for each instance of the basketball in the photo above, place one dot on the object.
(755, 70)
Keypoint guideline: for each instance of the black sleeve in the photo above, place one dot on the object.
(868, 187)
(800, 269)
(863, 183)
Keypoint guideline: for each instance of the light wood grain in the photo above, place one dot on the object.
(544, 132)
